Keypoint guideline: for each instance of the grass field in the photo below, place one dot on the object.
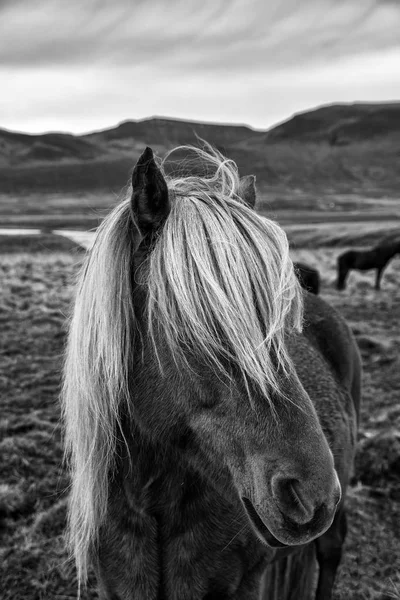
(35, 293)
(86, 209)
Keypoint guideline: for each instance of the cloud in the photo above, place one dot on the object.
(213, 34)
(81, 65)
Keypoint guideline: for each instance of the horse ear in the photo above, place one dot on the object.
(150, 202)
(247, 189)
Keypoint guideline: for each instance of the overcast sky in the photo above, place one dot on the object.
(80, 65)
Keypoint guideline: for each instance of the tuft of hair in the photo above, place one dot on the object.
(99, 350)
(219, 280)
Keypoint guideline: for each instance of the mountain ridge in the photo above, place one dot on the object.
(351, 107)
(336, 144)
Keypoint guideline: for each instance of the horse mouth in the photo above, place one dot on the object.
(260, 528)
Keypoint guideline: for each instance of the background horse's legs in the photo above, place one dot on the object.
(342, 270)
(341, 283)
(379, 273)
(329, 552)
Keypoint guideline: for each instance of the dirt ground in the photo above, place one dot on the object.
(35, 294)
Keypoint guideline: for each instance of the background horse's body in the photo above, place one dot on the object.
(211, 440)
(365, 260)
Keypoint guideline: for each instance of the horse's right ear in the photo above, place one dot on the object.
(150, 203)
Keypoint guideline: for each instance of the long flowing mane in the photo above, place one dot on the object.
(218, 278)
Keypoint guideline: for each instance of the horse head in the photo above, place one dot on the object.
(214, 380)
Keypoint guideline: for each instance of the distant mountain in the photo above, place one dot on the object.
(171, 132)
(22, 147)
(338, 145)
(340, 124)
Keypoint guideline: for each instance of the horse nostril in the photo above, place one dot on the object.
(300, 503)
(287, 493)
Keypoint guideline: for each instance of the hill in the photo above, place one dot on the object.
(172, 132)
(341, 124)
(22, 148)
(340, 147)
(18, 148)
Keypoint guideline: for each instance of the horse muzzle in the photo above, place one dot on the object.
(291, 516)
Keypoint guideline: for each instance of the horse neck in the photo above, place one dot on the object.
(388, 251)
(178, 516)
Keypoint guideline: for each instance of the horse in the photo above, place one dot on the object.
(210, 417)
(364, 260)
(308, 277)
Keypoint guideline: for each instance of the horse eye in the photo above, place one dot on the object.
(208, 402)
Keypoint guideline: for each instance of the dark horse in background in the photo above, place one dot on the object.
(308, 276)
(365, 260)
(210, 427)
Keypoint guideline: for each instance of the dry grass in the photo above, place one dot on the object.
(34, 299)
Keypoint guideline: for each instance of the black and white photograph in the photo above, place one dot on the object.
(200, 300)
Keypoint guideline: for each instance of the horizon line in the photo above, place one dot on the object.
(200, 122)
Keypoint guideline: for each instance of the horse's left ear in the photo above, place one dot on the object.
(247, 190)
(150, 202)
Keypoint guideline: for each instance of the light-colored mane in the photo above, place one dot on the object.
(219, 279)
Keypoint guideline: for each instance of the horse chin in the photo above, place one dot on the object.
(287, 532)
(260, 529)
